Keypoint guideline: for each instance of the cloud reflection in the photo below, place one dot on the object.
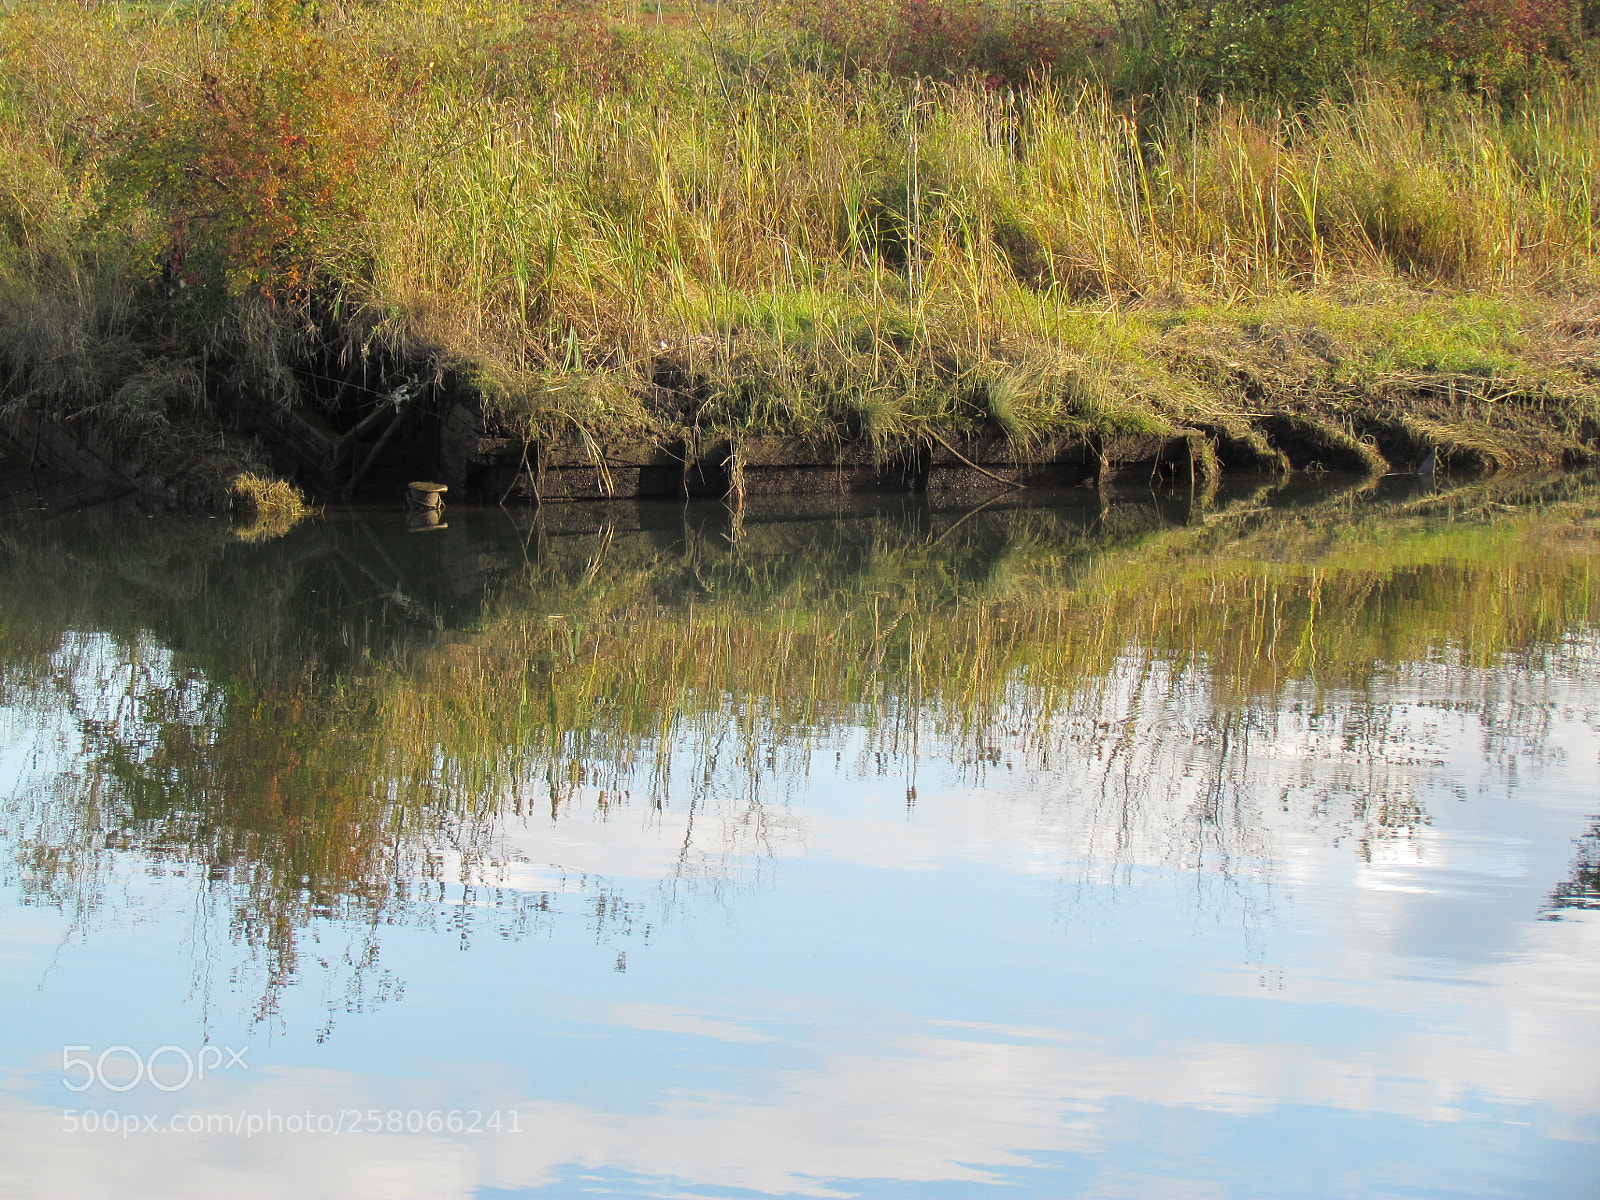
(952, 1102)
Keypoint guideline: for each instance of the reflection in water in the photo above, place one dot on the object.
(1582, 890)
(354, 734)
(318, 725)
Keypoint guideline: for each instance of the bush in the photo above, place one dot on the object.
(1005, 44)
(1494, 45)
(514, 52)
(256, 169)
(1303, 48)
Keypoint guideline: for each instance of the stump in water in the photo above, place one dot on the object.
(425, 495)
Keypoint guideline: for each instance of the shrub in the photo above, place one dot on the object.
(256, 167)
(1305, 47)
(1492, 44)
(516, 52)
(1005, 44)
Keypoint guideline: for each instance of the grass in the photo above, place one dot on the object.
(267, 507)
(596, 224)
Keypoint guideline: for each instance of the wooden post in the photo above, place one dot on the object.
(424, 495)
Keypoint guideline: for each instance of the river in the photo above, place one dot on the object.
(1069, 845)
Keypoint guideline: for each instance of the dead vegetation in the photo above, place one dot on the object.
(265, 507)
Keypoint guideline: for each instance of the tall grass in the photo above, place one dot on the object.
(623, 228)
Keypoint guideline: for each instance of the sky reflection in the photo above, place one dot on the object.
(1140, 937)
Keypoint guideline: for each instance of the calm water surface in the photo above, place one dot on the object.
(1064, 847)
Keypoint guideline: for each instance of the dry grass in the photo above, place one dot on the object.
(593, 228)
(265, 507)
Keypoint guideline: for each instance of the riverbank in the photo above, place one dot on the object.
(354, 246)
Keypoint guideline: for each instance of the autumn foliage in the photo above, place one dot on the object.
(257, 170)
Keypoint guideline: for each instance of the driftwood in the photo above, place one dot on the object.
(1010, 483)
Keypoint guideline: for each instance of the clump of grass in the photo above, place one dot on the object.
(265, 507)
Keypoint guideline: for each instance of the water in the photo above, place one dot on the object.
(1057, 848)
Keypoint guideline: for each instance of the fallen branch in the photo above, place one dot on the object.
(1010, 483)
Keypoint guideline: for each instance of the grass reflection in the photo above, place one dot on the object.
(332, 725)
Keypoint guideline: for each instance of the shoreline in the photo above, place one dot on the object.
(1210, 396)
